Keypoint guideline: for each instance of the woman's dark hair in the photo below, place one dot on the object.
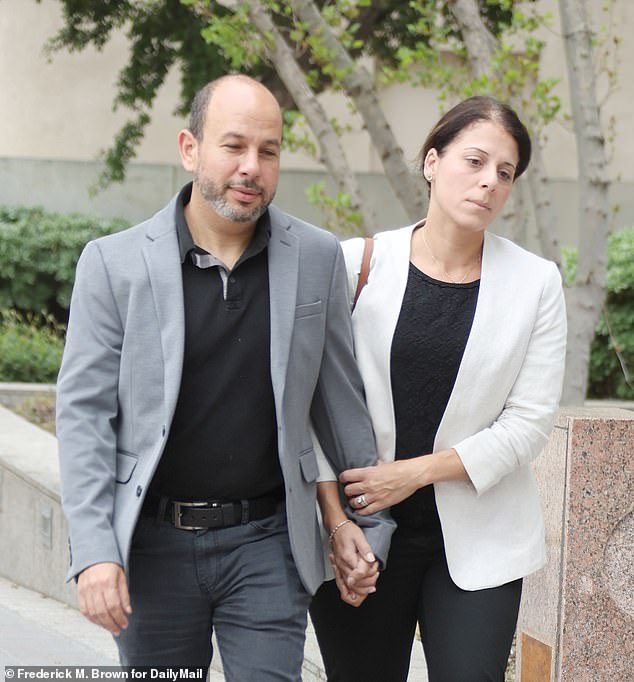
(470, 111)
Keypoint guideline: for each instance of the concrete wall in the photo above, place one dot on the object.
(65, 186)
(33, 531)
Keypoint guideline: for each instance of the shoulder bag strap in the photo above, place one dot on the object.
(365, 268)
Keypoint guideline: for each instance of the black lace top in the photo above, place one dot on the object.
(427, 348)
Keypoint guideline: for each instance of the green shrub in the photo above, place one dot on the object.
(615, 331)
(38, 255)
(30, 348)
(612, 353)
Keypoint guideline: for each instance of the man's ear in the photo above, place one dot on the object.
(188, 149)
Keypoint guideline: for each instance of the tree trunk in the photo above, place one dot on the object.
(359, 86)
(515, 214)
(478, 40)
(330, 147)
(544, 214)
(588, 292)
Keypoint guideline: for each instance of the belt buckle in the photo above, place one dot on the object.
(178, 506)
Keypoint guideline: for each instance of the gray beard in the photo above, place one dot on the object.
(216, 199)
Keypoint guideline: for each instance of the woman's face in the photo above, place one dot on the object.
(473, 177)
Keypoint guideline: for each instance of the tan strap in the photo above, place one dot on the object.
(365, 268)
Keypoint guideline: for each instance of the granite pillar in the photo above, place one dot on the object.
(577, 617)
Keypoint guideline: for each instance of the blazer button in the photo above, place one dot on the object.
(139, 490)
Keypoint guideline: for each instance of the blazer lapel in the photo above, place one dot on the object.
(166, 280)
(283, 258)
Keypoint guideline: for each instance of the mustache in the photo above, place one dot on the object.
(248, 184)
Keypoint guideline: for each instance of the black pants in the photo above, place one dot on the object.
(466, 636)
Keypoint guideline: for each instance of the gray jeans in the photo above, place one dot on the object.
(239, 581)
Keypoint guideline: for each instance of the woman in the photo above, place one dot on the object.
(460, 338)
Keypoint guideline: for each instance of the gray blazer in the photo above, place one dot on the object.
(121, 372)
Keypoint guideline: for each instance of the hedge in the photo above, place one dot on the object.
(38, 254)
(30, 348)
(612, 353)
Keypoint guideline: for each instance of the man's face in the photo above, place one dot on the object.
(236, 164)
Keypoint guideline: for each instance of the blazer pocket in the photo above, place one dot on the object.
(126, 464)
(308, 465)
(308, 309)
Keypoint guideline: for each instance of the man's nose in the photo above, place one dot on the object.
(250, 163)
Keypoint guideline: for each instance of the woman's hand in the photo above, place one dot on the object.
(371, 489)
(356, 569)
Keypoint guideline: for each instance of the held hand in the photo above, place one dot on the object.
(381, 486)
(103, 596)
(352, 557)
(348, 596)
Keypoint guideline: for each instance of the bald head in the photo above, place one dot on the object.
(229, 86)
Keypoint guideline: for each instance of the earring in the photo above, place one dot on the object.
(429, 177)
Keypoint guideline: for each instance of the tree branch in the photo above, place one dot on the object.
(293, 78)
(359, 86)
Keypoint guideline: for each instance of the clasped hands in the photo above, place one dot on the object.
(356, 569)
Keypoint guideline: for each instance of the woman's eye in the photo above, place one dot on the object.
(473, 161)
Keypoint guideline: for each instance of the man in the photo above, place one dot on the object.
(200, 345)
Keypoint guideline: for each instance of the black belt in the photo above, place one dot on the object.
(212, 513)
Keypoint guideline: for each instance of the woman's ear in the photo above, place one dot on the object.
(430, 165)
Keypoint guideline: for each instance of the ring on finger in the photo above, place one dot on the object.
(361, 501)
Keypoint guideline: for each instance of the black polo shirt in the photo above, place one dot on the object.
(223, 438)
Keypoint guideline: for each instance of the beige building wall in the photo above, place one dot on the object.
(60, 110)
(560, 150)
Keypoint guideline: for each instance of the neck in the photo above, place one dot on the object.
(451, 255)
(224, 238)
(451, 249)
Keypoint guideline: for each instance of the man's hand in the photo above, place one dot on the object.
(350, 597)
(103, 596)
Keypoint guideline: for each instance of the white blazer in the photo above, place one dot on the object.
(502, 407)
